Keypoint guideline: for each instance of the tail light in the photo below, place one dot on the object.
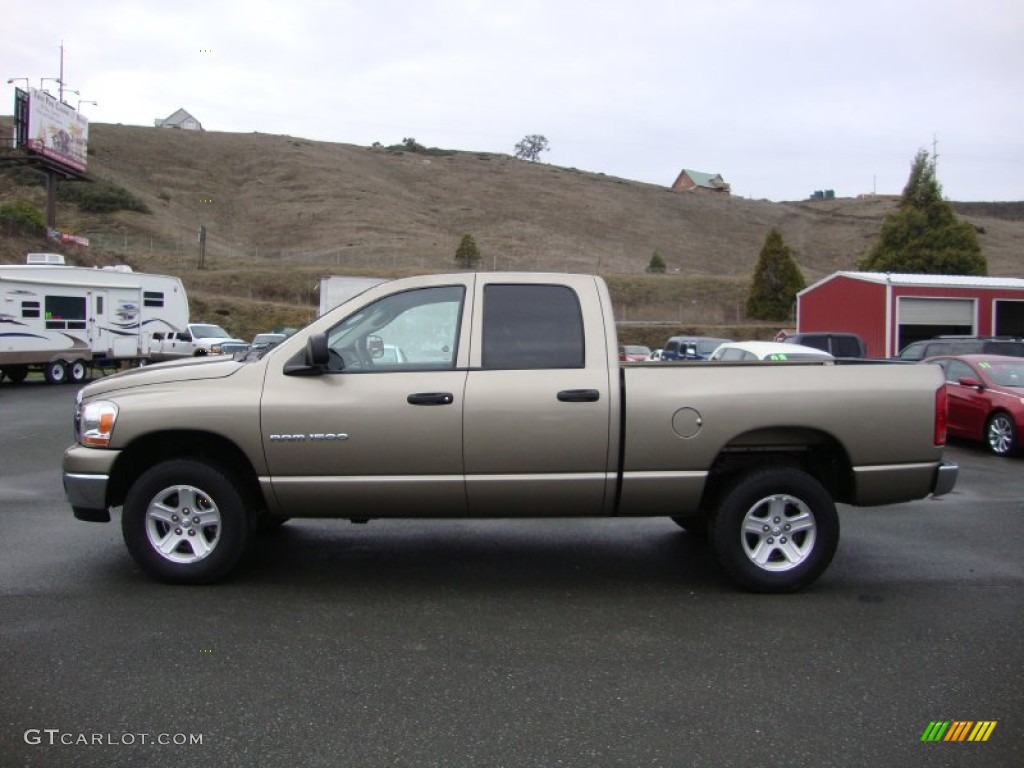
(941, 404)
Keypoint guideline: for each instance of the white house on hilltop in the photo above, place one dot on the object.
(180, 119)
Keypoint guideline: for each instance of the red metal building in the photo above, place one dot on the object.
(889, 311)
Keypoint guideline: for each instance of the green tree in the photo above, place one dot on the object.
(923, 235)
(467, 255)
(777, 280)
(530, 147)
(656, 265)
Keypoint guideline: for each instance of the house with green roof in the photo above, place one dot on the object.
(698, 181)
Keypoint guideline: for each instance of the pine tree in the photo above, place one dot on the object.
(656, 265)
(923, 235)
(468, 255)
(777, 280)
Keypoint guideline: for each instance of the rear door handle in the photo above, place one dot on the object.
(579, 396)
(431, 398)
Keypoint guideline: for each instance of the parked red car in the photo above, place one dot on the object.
(633, 353)
(986, 399)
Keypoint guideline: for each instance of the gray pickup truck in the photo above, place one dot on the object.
(498, 395)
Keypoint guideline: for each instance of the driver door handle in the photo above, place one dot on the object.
(431, 398)
(579, 396)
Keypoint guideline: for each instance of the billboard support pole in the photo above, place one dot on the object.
(51, 199)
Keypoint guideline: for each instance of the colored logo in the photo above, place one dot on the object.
(959, 730)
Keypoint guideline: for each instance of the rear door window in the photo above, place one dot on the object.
(817, 341)
(1013, 348)
(845, 346)
(532, 326)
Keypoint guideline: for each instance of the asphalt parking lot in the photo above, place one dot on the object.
(505, 643)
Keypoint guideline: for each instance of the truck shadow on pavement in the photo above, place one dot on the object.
(483, 555)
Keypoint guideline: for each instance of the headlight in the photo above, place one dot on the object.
(95, 423)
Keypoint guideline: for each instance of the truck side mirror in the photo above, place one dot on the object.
(311, 361)
(375, 346)
(317, 353)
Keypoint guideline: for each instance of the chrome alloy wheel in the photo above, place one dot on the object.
(183, 524)
(1001, 434)
(778, 532)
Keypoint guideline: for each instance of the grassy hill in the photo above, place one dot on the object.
(282, 211)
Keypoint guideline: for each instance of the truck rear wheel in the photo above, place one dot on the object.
(185, 522)
(55, 373)
(776, 530)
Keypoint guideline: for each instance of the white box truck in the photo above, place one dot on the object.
(337, 289)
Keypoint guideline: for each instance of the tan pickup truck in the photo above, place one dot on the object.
(498, 395)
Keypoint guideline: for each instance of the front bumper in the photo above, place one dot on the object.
(88, 491)
(86, 480)
(87, 494)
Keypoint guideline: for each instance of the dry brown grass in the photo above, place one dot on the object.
(283, 211)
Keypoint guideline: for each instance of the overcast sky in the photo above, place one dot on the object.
(782, 97)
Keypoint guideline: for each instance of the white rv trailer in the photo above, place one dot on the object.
(60, 319)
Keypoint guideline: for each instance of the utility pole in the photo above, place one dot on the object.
(202, 246)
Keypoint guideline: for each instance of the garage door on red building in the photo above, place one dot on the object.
(1009, 317)
(919, 318)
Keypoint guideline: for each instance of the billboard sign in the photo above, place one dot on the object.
(56, 131)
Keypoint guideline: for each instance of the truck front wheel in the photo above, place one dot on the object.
(185, 522)
(776, 530)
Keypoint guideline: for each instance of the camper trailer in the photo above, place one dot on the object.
(60, 319)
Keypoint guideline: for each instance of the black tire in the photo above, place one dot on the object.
(1001, 434)
(55, 372)
(16, 373)
(776, 530)
(694, 525)
(76, 372)
(200, 547)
